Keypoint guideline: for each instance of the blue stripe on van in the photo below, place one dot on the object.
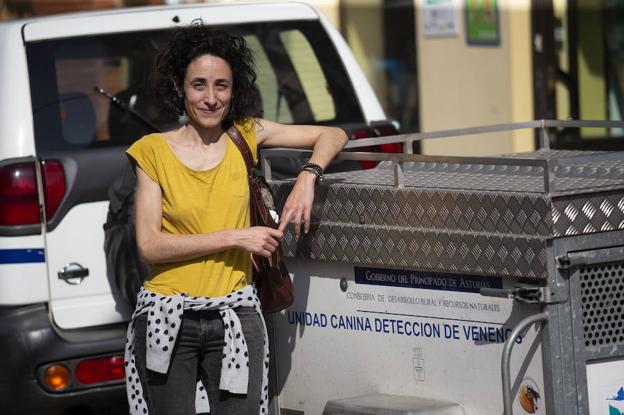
(21, 256)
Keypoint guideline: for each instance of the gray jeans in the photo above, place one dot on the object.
(197, 354)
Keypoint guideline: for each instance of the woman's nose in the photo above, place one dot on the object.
(210, 98)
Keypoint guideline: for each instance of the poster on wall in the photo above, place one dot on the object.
(482, 22)
(438, 18)
(605, 387)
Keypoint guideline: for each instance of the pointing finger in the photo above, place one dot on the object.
(284, 220)
(306, 220)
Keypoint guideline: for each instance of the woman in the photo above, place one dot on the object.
(197, 323)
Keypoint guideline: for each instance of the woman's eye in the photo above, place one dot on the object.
(198, 86)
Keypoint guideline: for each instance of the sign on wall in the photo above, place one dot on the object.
(482, 22)
(605, 386)
(438, 18)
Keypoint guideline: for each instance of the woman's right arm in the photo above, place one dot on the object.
(156, 246)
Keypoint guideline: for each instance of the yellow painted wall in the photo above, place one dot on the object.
(521, 68)
(330, 8)
(362, 27)
(465, 86)
(591, 78)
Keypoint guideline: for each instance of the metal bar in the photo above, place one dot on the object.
(416, 158)
(583, 123)
(395, 159)
(548, 167)
(367, 142)
(399, 174)
(505, 369)
(408, 146)
(544, 137)
(589, 158)
(375, 141)
(596, 256)
(265, 167)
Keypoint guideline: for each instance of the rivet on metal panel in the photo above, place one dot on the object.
(343, 285)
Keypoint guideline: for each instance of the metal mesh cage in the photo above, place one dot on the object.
(602, 296)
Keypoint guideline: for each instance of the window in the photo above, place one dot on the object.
(274, 104)
(74, 83)
(310, 74)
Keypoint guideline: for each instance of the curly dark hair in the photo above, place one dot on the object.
(186, 44)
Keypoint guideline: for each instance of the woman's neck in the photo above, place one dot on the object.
(206, 136)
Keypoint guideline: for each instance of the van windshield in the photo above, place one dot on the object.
(75, 81)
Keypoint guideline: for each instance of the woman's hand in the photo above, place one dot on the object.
(259, 240)
(299, 203)
(325, 142)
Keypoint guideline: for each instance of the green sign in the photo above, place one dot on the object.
(482, 22)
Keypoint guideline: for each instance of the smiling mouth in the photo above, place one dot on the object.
(209, 111)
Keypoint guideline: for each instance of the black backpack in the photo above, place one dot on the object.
(123, 265)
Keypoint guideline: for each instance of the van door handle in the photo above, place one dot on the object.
(73, 273)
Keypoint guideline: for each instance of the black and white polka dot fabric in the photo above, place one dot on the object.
(164, 317)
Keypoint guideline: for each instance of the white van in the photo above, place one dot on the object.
(62, 136)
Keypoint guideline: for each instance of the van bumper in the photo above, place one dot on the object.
(28, 341)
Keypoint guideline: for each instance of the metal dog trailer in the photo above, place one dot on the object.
(457, 285)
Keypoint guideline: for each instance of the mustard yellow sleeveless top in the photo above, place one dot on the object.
(198, 202)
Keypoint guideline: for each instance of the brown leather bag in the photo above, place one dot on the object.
(270, 275)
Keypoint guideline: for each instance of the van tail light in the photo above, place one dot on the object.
(381, 129)
(391, 148)
(100, 370)
(384, 130)
(359, 134)
(82, 373)
(53, 185)
(19, 200)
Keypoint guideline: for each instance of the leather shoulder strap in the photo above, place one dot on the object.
(242, 145)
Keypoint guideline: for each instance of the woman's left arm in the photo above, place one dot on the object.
(325, 143)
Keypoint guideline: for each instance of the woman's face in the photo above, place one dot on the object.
(207, 90)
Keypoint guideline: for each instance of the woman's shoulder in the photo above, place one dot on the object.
(148, 140)
(246, 126)
(143, 152)
(146, 146)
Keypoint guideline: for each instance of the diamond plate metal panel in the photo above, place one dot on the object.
(482, 218)
(479, 233)
(486, 254)
(498, 213)
(588, 213)
(451, 176)
(484, 177)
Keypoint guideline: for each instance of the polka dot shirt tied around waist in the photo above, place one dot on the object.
(164, 318)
